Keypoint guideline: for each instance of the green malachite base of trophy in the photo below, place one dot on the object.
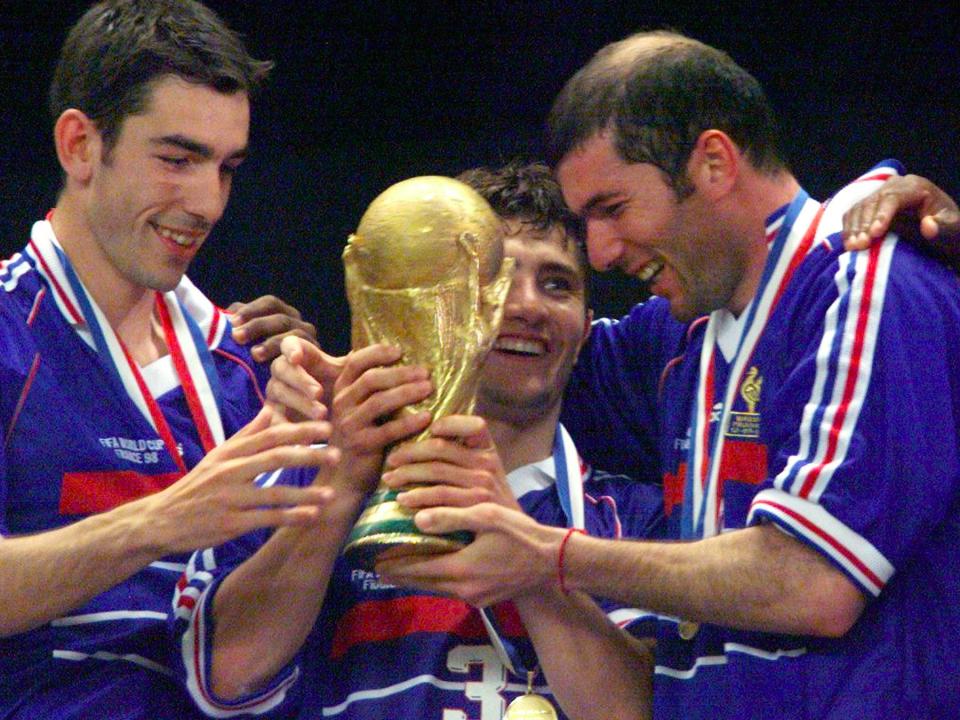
(386, 529)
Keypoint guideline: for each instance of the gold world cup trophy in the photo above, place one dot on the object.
(425, 271)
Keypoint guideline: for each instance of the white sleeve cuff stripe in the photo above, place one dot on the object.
(194, 658)
(858, 557)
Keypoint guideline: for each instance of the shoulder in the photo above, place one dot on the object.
(623, 488)
(893, 274)
(890, 274)
(635, 505)
(646, 320)
(637, 344)
(233, 360)
(21, 298)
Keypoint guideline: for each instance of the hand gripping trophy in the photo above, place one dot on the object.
(425, 271)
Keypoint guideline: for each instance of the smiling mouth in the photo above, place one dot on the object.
(520, 346)
(649, 271)
(183, 239)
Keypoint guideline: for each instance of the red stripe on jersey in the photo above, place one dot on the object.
(185, 601)
(799, 256)
(214, 324)
(74, 313)
(246, 368)
(36, 306)
(186, 380)
(673, 486)
(744, 461)
(21, 401)
(375, 621)
(84, 493)
(876, 177)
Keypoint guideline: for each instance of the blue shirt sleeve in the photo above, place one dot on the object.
(610, 406)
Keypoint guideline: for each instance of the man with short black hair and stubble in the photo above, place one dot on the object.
(119, 380)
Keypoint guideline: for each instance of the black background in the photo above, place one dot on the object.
(367, 93)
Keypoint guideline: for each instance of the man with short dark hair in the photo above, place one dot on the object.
(261, 615)
(117, 376)
(804, 399)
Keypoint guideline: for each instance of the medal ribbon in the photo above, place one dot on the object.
(702, 504)
(569, 483)
(191, 356)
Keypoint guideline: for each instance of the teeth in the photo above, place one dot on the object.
(179, 238)
(649, 270)
(518, 345)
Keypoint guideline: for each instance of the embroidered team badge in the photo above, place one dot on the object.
(747, 424)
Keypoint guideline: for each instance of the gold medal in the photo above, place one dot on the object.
(687, 629)
(530, 706)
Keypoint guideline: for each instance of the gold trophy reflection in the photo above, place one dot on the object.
(425, 271)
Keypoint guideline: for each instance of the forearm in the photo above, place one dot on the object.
(266, 607)
(49, 574)
(617, 682)
(755, 579)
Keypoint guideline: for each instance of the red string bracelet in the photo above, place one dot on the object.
(563, 548)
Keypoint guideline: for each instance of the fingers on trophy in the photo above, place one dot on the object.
(425, 271)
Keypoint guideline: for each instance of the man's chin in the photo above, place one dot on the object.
(167, 283)
(681, 312)
(492, 402)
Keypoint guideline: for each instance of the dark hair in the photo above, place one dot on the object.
(657, 98)
(119, 47)
(529, 193)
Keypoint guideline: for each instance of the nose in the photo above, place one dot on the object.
(604, 246)
(206, 195)
(523, 301)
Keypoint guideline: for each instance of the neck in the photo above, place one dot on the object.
(758, 196)
(521, 442)
(127, 307)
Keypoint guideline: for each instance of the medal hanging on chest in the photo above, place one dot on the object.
(569, 478)
(530, 706)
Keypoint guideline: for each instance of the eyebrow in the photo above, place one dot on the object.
(192, 146)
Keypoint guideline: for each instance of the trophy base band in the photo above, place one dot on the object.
(364, 552)
(386, 530)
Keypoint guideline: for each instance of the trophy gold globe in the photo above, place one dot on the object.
(424, 271)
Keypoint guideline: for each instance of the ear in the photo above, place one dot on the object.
(714, 164)
(78, 144)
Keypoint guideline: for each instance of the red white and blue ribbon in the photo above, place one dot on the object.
(703, 504)
(569, 483)
(186, 341)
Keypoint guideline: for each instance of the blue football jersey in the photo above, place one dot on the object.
(830, 407)
(75, 444)
(378, 651)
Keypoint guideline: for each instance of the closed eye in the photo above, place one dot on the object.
(612, 210)
(174, 161)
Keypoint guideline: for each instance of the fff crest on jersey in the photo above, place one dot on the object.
(747, 424)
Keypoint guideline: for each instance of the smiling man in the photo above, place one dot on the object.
(265, 615)
(117, 376)
(804, 401)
